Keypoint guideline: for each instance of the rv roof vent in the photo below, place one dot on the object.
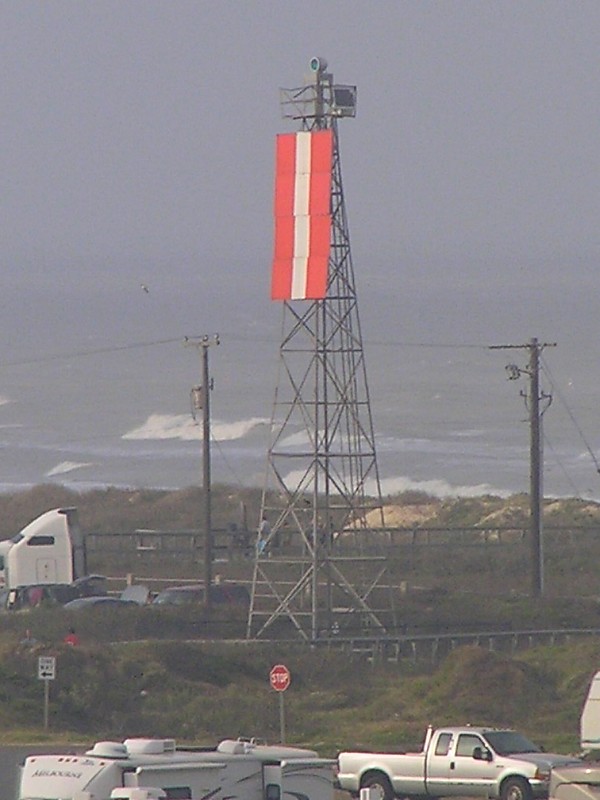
(108, 750)
(150, 746)
(236, 748)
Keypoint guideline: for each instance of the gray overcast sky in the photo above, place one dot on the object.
(137, 146)
(138, 136)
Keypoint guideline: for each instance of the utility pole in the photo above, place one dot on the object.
(532, 400)
(201, 401)
(535, 472)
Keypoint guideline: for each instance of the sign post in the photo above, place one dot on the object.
(46, 673)
(280, 679)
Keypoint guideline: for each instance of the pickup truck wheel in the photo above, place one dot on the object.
(515, 789)
(380, 784)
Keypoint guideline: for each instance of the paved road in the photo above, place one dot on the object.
(11, 757)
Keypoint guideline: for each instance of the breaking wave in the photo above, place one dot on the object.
(184, 428)
(67, 466)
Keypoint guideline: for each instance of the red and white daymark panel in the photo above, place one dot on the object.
(280, 677)
(302, 215)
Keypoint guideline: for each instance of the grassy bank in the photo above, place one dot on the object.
(202, 692)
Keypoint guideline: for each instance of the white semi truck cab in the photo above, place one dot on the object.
(49, 550)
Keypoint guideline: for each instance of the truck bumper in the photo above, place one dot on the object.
(348, 782)
(539, 787)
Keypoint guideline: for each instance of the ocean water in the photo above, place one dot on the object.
(95, 386)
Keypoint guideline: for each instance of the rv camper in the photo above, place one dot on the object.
(235, 769)
(582, 781)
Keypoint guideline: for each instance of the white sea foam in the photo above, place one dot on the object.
(298, 439)
(302, 439)
(228, 431)
(436, 487)
(184, 428)
(473, 433)
(4, 400)
(67, 466)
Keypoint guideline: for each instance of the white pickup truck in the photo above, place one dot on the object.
(464, 762)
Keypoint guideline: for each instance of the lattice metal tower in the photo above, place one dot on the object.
(323, 562)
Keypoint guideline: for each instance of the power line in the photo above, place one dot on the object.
(431, 345)
(91, 352)
(231, 337)
(562, 467)
(570, 413)
(227, 463)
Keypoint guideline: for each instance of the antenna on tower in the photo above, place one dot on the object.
(321, 552)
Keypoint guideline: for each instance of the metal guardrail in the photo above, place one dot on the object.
(432, 647)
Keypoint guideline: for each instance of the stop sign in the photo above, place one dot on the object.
(280, 677)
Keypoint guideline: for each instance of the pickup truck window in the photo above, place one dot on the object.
(506, 743)
(443, 744)
(467, 742)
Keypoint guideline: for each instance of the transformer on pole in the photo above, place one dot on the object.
(320, 558)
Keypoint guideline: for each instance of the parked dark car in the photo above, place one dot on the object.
(179, 596)
(104, 601)
(90, 586)
(220, 594)
(135, 595)
(52, 594)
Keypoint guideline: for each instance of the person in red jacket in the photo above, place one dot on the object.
(71, 638)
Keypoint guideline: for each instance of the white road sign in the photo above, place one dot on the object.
(47, 668)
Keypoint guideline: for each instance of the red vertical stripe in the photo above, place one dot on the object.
(320, 214)
(285, 175)
(281, 281)
(316, 279)
(322, 152)
(318, 262)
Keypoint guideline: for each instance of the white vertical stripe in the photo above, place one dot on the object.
(301, 237)
(301, 215)
(301, 188)
(300, 260)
